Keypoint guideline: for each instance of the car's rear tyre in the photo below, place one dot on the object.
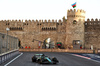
(55, 60)
(55, 63)
(40, 62)
(34, 59)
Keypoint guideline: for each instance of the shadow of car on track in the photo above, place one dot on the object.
(47, 64)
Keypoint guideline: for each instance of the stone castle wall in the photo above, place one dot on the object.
(92, 33)
(34, 29)
(75, 28)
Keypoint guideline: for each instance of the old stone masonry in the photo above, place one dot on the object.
(71, 32)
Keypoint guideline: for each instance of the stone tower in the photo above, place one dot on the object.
(75, 27)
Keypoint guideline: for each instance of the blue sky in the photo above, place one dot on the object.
(46, 9)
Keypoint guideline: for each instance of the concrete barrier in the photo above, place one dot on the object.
(57, 50)
(5, 56)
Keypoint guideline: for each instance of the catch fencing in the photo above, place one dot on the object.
(8, 47)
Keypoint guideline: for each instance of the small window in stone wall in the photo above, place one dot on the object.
(25, 23)
(39, 24)
(59, 23)
(74, 22)
(54, 28)
(49, 29)
(7, 23)
(15, 28)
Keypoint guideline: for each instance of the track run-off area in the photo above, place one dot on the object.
(65, 59)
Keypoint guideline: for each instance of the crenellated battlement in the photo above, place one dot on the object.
(79, 11)
(93, 20)
(32, 20)
(76, 13)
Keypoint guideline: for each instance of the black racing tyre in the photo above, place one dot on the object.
(39, 61)
(54, 63)
(55, 60)
(34, 59)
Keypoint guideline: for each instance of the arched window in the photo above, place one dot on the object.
(54, 28)
(19, 28)
(74, 22)
(12, 28)
(46, 28)
(42, 29)
(50, 28)
(8, 23)
(24, 23)
(15, 28)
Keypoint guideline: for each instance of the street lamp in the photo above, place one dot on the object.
(7, 29)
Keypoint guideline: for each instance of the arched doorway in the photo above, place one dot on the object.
(19, 44)
(77, 44)
(48, 43)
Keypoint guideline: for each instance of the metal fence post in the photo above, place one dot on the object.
(17, 43)
(7, 41)
(11, 44)
(0, 44)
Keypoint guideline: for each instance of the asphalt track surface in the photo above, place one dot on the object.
(65, 59)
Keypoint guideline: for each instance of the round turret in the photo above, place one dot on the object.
(75, 14)
(75, 27)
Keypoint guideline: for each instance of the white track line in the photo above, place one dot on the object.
(85, 57)
(13, 60)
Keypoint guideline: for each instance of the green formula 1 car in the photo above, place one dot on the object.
(41, 58)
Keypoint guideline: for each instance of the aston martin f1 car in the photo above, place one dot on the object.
(41, 58)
